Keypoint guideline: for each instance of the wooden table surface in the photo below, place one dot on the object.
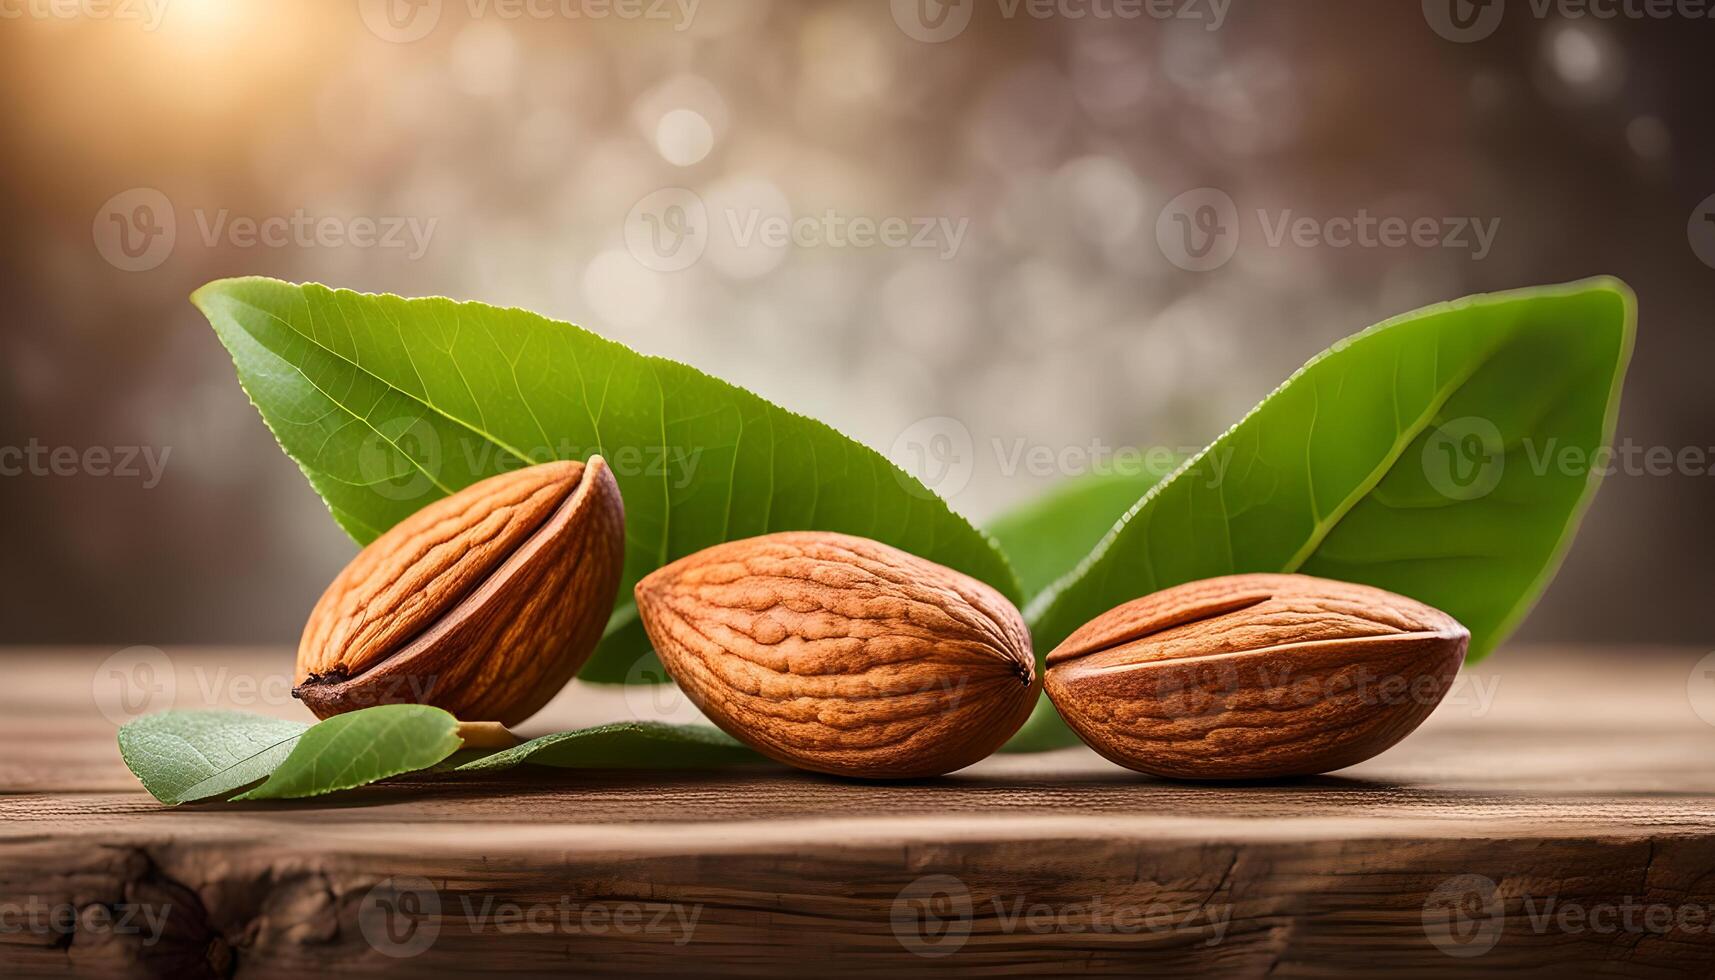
(1555, 817)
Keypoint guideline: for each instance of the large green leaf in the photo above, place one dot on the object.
(1444, 455)
(360, 747)
(387, 403)
(182, 756)
(1047, 537)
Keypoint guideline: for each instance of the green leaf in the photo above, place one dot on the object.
(1426, 455)
(388, 403)
(1043, 731)
(617, 661)
(360, 747)
(1047, 537)
(626, 745)
(182, 756)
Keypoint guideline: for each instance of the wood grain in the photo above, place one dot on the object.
(1547, 818)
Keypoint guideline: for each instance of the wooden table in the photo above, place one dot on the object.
(1556, 817)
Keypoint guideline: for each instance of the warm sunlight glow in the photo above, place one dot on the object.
(209, 19)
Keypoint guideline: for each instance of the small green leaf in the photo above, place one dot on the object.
(626, 745)
(1047, 537)
(181, 756)
(387, 404)
(1425, 456)
(361, 747)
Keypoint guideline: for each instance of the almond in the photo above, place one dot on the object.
(842, 655)
(484, 603)
(1251, 676)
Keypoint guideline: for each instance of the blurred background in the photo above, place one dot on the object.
(629, 165)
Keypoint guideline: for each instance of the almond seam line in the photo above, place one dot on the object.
(1336, 641)
(1148, 630)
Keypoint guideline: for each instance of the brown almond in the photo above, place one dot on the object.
(484, 603)
(841, 654)
(1252, 676)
